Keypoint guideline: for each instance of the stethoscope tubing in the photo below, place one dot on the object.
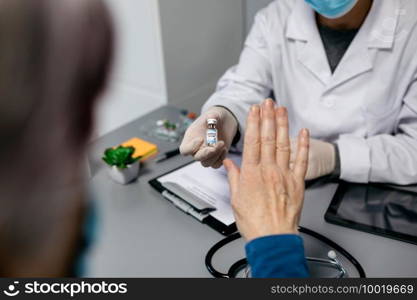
(242, 263)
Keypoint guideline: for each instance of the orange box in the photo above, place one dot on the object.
(142, 148)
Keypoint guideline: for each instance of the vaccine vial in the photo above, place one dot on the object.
(211, 136)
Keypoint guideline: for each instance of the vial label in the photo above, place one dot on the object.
(211, 137)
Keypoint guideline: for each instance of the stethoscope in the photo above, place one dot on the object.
(331, 262)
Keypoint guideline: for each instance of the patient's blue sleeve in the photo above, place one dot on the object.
(277, 256)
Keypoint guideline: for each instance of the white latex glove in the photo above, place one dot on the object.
(321, 161)
(194, 142)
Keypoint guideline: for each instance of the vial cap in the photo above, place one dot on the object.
(211, 121)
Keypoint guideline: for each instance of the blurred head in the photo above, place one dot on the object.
(54, 62)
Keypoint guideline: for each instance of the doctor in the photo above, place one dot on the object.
(345, 69)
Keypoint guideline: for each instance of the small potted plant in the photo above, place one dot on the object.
(122, 166)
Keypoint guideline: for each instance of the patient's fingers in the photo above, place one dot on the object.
(283, 150)
(268, 132)
(252, 141)
(233, 173)
(294, 146)
(301, 161)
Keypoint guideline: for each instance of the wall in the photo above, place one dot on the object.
(138, 80)
(168, 52)
(252, 7)
(201, 40)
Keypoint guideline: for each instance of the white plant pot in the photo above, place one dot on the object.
(124, 176)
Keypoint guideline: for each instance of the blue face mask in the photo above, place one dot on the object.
(332, 9)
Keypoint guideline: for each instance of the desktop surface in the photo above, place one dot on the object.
(140, 234)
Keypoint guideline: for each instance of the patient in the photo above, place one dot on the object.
(54, 61)
(268, 194)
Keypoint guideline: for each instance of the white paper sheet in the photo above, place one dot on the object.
(207, 184)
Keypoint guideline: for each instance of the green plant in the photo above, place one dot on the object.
(120, 157)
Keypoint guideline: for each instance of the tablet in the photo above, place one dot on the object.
(378, 209)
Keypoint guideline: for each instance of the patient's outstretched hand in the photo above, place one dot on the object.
(267, 196)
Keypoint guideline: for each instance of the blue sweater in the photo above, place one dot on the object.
(277, 256)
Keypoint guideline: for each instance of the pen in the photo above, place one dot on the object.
(167, 155)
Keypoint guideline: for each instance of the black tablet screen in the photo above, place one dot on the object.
(376, 209)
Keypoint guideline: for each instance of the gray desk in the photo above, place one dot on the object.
(142, 235)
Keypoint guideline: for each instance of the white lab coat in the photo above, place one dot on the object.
(368, 106)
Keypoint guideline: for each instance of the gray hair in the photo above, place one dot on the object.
(55, 57)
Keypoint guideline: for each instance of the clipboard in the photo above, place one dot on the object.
(190, 203)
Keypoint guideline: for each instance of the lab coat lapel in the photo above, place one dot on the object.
(373, 36)
(302, 28)
(356, 61)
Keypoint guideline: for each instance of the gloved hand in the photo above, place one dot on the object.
(194, 142)
(321, 161)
